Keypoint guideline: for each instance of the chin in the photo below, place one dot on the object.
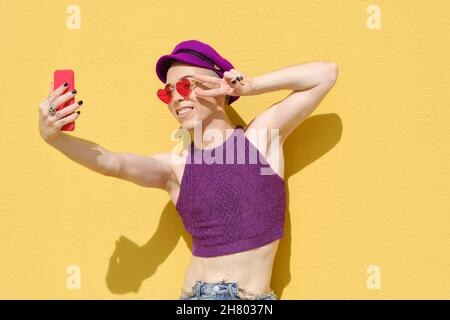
(188, 123)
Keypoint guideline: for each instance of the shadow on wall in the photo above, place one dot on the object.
(131, 264)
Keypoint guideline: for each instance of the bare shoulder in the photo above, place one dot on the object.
(176, 162)
(268, 142)
(263, 137)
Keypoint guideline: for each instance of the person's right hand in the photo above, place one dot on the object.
(50, 125)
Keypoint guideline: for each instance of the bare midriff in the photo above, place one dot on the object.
(251, 269)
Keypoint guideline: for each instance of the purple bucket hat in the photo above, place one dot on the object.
(195, 53)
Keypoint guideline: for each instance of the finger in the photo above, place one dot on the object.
(238, 73)
(69, 109)
(229, 75)
(229, 78)
(65, 97)
(203, 77)
(210, 92)
(235, 72)
(68, 119)
(56, 93)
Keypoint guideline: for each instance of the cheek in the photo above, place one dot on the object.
(203, 102)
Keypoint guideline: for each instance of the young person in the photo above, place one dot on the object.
(228, 186)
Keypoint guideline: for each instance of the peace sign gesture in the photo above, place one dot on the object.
(233, 83)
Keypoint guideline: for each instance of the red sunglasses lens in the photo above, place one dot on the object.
(183, 87)
(165, 94)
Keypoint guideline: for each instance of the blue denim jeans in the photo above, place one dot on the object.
(223, 290)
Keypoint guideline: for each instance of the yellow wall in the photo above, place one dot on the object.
(368, 171)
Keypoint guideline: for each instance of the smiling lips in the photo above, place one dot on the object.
(184, 111)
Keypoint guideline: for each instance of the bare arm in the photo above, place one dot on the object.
(153, 171)
(310, 83)
(149, 171)
(86, 153)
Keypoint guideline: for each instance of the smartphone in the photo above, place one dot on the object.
(59, 77)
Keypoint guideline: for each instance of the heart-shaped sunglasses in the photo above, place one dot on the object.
(184, 87)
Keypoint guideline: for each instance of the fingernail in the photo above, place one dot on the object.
(80, 102)
(78, 111)
(74, 91)
(66, 84)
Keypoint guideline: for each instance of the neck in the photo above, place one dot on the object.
(211, 133)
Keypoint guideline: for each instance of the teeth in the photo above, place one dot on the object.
(183, 110)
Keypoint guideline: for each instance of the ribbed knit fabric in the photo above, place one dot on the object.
(230, 207)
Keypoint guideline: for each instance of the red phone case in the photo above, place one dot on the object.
(59, 77)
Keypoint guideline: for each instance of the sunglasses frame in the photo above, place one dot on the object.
(160, 94)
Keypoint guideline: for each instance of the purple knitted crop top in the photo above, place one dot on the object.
(230, 207)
